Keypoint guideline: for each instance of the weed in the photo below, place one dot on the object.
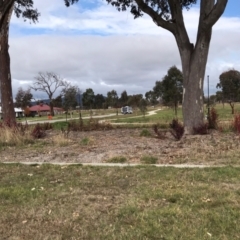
(38, 131)
(236, 123)
(118, 159)
(148, 160)
(213, 119)
(159, 134)
(145, 133)
(85, 141)
(177, 129)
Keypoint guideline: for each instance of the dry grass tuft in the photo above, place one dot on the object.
(14, 137)
(60, 140)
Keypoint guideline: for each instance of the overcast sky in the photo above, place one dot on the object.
(94, 46)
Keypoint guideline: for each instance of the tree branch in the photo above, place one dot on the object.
(211, 16)
(157, 18)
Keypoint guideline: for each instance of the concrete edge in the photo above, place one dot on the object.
(116, 164)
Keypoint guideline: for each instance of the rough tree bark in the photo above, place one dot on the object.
(5, 73)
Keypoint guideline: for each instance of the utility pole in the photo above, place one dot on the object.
(79, 99)
(208, 98)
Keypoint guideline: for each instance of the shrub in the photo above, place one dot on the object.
(236, 123)
(119, 159)
(148, 160)
(202, 129)
(38, 131)
(145, 133)
(177, 129)
(159, 134)
(213, 119)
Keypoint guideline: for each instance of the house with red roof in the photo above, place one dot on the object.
(44, 109)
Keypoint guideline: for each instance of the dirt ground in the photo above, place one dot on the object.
(100, 146)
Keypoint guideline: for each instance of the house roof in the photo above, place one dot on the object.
(43, 108)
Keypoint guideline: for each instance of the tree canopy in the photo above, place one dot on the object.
(229, 83)
(88, 98)
(23, 98)
(170, 89)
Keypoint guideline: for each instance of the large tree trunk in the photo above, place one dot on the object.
(51, 107)
(5, 73)
(194, 60)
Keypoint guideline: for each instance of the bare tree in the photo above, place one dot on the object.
(48, 83)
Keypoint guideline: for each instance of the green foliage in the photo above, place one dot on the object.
(161, 8)
(85, 141)
(134, 100)
(69, 94)
(170, 88)
(123, 100)
(112, 99)
(230, 85)
(151, 97)
(148, 160)
(24, 9)
(57, 102)
(99, 101)
(88, 98)
(143, 106)
(23, 98)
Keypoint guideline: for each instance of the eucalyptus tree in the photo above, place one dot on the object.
(229, 83)
(24, 9)
(168, 14)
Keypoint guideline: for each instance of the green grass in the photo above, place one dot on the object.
(145, 133)
(85, 141)
(148, 160)
(118, 159)
(76, 202)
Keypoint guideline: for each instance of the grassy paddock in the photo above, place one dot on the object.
(76, 202)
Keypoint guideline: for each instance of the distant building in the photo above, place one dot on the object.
(43, 109)
(18, 111)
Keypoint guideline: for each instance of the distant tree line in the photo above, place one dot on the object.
(168, 92)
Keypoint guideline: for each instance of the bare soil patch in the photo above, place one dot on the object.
(99, 146)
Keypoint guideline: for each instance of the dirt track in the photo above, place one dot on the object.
(214, 149)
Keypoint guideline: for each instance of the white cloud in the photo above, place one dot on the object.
(131, 54)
